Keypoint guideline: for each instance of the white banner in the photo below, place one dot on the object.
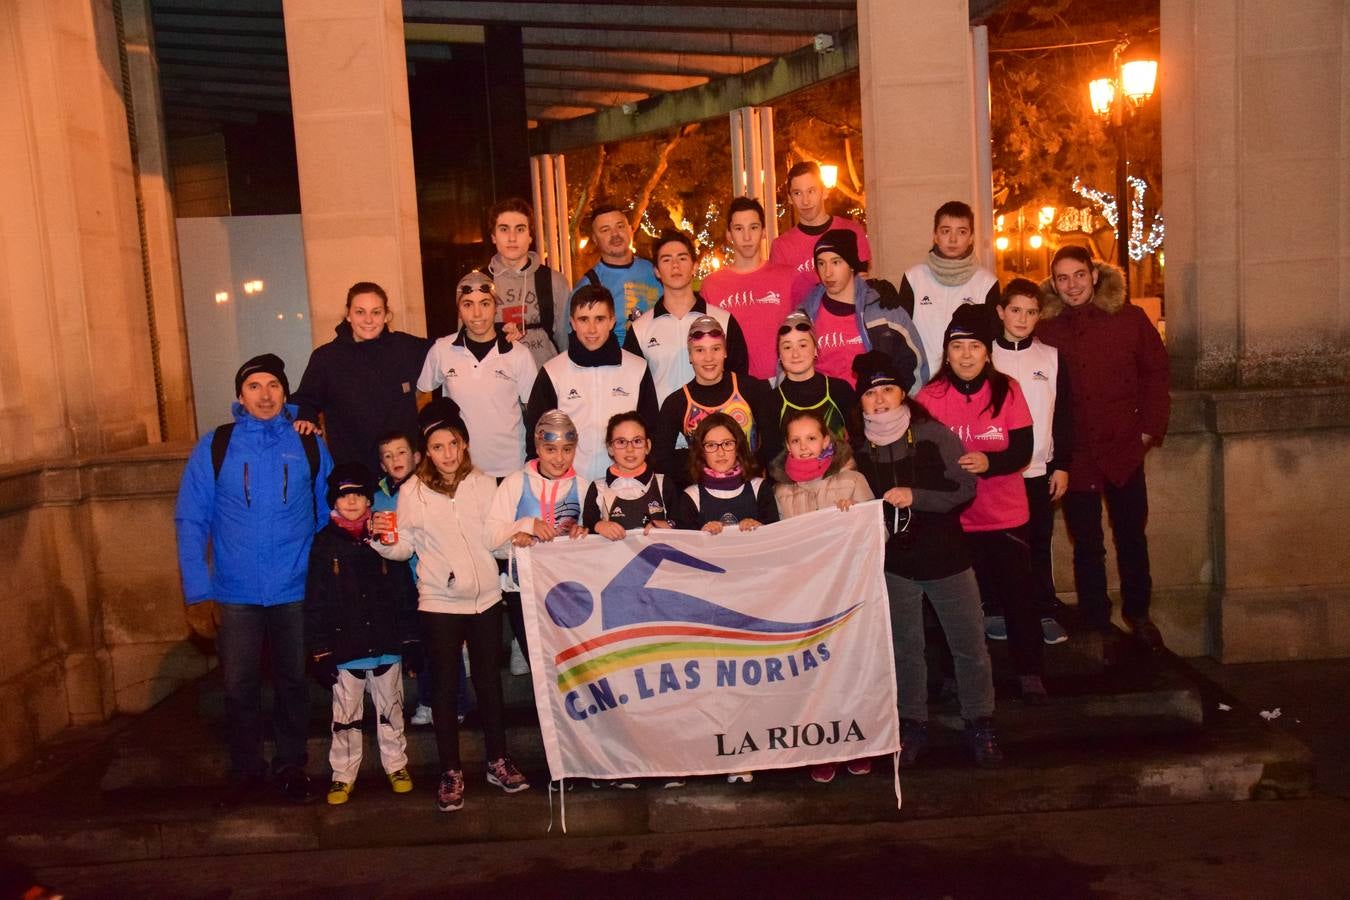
(683, 653)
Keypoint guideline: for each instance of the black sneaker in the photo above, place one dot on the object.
(294, 785)
(913, 741)
(983, 743)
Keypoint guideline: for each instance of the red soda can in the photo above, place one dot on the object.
(390, 536)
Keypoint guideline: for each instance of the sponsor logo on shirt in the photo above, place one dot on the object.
(653, 342)
(748, 298)
(573, 394)
(451, 373)
(991, 433)
(926, 301)
(834, 340)
(616, 512)
(501, 373)
(618, 392)
(1038, 375)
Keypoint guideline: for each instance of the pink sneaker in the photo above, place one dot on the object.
(824, 773)
(503, 774)
(859, 766)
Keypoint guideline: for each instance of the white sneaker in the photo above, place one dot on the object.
(464, 654)
(740, 777)
(519, 665)
(421, 715)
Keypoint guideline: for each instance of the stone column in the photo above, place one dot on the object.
(1256, 169)
(75, 368)
(155, 183)
(1256, 166)
(353, 145)
(918, 117)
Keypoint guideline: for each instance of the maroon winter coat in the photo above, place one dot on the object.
(1119, 373)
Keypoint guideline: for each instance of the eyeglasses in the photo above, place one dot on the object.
(625, 443)
(553, 437)
(480, 288)
(728, 444)
(710, 333)
(795, 326)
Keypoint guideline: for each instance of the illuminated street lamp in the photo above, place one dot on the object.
(829, 176)
(1132, 81)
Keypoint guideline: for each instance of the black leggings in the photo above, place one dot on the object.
(1003, 569)
(445, 634)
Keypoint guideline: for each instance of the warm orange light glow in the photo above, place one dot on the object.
(1138, 78)
(1047, 216)
(1102, 91)
(829, 176)
(1001, 242)
(1035, 241)
(222, 296)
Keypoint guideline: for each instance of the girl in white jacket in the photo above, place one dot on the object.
(441, 517)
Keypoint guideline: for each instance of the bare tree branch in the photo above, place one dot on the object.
(654, 178)
(592, 185)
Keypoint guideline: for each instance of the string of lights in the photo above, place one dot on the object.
(1140, 244)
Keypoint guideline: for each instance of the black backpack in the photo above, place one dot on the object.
(543, 291)
(220, 443)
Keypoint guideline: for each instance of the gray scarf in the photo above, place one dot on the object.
(952, 272)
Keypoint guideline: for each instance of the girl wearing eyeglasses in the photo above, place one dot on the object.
(912, 462)
(801, 387)
(632, 494)
(727, 489)
(748, 401)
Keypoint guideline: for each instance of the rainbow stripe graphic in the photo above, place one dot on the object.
(640, 644)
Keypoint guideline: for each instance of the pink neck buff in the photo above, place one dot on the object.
(888, 427)
(723, 481)
(354, 528)
(800, 470)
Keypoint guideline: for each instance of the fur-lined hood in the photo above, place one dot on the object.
(843, 459)
(1109, 296)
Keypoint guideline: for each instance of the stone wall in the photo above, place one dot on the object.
(1248, 497)
(92, 611)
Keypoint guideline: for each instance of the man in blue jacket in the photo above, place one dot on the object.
(255, 492)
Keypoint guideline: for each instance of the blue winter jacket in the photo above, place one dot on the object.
(260, 515)
(891, 331)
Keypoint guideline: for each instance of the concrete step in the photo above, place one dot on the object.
(1237, 757)
(180, 744)
(174, 746)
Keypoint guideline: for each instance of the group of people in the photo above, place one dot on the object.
(638, 399)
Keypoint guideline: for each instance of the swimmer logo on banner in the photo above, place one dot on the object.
(682, 653)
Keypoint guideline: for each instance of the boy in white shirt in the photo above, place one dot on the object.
(1045, 384)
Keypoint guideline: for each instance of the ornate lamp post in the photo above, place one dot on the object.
(1116, 99)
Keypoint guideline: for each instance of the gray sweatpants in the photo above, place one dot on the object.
(956, 600)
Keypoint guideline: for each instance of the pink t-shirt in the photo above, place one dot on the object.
(837, 342)
(795, 248)
(1000, 500)
(760, 301)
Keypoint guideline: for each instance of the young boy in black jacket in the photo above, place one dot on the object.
(361, 629)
